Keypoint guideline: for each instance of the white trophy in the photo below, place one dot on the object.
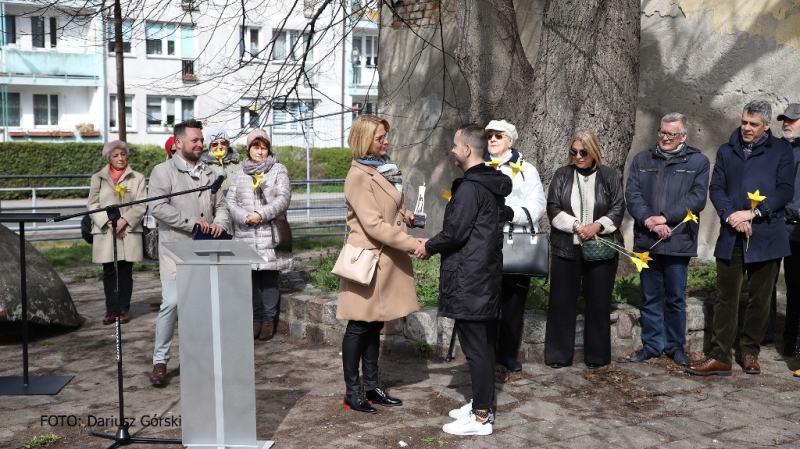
(419, 217)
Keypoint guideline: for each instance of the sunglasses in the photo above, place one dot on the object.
(573, 152)
(498, 136)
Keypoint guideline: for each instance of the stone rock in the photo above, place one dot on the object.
(422, 326)
(49, 301)
(534, 326)
(695, 315)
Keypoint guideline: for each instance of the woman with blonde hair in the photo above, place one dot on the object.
(378, 221)
(585, 200)
(117, 183)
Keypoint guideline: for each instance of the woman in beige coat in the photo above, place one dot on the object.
(376, 215)
(116, 183)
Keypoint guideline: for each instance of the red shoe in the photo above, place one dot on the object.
(123, 317)
(109, 318)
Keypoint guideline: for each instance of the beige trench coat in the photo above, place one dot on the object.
(102, 194)
(376, 216)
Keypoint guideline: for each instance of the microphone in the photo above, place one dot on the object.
(218, 182)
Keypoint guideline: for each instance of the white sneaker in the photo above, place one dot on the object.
(468, 425)
(458, 413)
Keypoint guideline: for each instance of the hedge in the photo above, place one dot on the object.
(33, 158)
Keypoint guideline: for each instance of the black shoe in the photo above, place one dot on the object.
(640, 356)
(379, 396)
(594, 366)
(358, 403)
(556, 365)
(681, 358)
(789, 351)
(511, 364)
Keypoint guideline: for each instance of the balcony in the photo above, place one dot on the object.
(187, 71)
(52, 68)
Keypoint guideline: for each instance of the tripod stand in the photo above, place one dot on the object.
(122, 437)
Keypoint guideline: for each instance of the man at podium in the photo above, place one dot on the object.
(177, 217)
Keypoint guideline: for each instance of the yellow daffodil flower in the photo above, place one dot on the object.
(516, 167)
(494, 163)
(689, 216)
(219, 153)
(645, 257)
(447, 194)
(639, 264)
(755, 198)
(120, 189)
(258, 177)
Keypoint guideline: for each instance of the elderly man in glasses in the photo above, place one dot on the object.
(665, 182)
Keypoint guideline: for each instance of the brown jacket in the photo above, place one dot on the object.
(102, 194)
(376, 216)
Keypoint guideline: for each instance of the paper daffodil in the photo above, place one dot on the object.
(755, 198)
(219, 153)
(120, 189)
(258, 178)
(689, 216)
(645, 257)
(639, 264)
(494, 163)
(516, 167)
(447, 194)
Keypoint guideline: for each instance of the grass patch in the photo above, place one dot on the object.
(316, 243)
(75, 258)
(41, 441)
(319, 188)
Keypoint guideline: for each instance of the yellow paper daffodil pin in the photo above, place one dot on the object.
(516, 167)
(755, 198)
(219, 153)
(639, 264)
(644, 257)
(494, 163)
(258, 178)
(120, 189)
(447, 194)
(690, 216)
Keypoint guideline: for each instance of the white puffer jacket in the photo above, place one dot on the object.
(270, 200)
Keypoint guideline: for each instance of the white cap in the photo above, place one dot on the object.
(502, 125)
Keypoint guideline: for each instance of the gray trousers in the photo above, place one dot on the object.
(167, 317)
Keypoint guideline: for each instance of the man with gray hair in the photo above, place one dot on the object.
(791, 263)
(752, 182)
(665, 183)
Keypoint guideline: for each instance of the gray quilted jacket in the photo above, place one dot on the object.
(270, 200)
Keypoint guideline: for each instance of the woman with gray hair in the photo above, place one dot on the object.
(117, 183)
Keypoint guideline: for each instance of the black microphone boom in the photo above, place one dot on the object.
(218, 182)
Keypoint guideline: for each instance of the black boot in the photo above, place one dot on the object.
(379, 396)
(358, 403)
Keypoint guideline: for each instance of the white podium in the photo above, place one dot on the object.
(215, 312)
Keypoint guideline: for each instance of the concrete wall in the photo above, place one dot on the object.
(704, 58)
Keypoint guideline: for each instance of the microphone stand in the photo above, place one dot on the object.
(123, 437)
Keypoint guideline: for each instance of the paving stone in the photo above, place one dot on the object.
(662, 384)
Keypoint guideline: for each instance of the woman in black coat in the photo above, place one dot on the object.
(585, 200)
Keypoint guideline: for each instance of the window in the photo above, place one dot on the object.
(45, 110)
(37, 31)
(365, 51)
(161, 111)
(112, 114)
(364, 108)
(249, 42)
(10, 24)
(159, 38)
(293, 117)
(187, 71)
(187, 41)
(290, 45)
(13, 110)
(53, 31)
(127, 33)
(249, 117)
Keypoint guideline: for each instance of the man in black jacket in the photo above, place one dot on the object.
(472, 261)
(791, 263)
(663, 183)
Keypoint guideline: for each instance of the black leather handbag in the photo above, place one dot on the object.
(525, 251)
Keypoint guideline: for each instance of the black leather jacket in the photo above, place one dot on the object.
(609, 201)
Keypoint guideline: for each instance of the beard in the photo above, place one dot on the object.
(790, 134)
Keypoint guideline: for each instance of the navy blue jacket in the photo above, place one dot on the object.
(793, 207)
(471, 244)
(660, 186)
(770, 170)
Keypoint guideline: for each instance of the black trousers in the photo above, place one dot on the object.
(791, 272)
(125, 285)
(477, 340)
(567, 276)
(361, 343)
(512, 310)
(266, 295)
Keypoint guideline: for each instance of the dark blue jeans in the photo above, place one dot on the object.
(664, 306)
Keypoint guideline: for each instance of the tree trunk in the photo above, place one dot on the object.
(585, 77)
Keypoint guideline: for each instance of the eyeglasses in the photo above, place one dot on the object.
(218, 144)
(573, 152)
(382, 138)
(498, 136)
(669, 136)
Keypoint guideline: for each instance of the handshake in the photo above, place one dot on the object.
(421, 253)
